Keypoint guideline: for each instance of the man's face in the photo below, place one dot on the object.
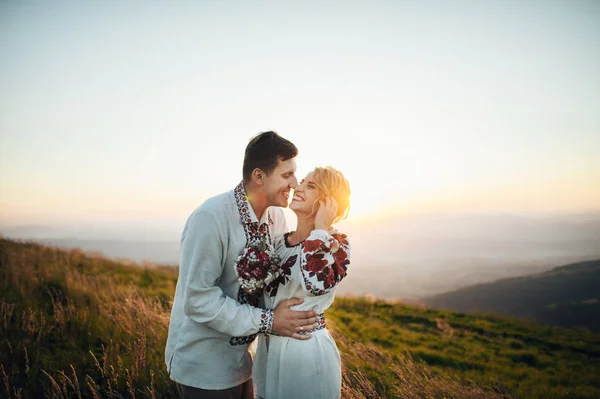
(277, 185)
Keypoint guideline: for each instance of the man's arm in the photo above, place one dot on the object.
(204, 302)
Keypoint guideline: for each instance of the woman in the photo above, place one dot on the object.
(314, 259)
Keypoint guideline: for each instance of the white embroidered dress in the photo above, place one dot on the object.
(287, 367)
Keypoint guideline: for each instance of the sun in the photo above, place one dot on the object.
(366, 201)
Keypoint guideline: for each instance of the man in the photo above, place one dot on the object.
(212, 324)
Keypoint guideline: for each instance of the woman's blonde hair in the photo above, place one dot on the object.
(332, 183)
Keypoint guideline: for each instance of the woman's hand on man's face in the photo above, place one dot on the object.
(326, 214)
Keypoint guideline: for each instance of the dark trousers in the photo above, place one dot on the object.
(243, 391)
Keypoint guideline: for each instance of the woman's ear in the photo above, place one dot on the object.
(315, 207)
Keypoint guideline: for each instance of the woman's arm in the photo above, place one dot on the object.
(324, 261)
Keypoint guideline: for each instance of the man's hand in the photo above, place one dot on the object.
(288, 322)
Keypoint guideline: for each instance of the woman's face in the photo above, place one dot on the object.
(305, 196)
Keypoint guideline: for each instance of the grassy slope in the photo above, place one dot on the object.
(79, 326)
(528, 360)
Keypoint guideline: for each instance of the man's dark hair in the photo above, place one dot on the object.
(264, 152)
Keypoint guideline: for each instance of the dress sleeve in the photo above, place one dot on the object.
(201, 267)
(324, 261)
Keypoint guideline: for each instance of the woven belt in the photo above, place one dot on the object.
(320, 320)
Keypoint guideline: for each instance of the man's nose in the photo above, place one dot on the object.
(294, 183)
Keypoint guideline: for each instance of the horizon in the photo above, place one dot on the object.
(580, 216)
(431, 254)
(421, 242)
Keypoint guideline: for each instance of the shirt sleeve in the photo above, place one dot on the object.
(324, 261)
(201, 267)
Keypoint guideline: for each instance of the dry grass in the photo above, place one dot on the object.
(411, 379)
(69, 330)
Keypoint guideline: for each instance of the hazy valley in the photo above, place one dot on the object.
(406, 257)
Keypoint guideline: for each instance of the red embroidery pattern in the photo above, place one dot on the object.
(286, 271)
(242, 202)
(326, 267)
(266, 323)
(254, 234)
(312, 245)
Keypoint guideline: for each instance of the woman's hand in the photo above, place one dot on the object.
(326, 214)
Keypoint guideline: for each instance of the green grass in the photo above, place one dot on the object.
(529, 360)
(73, 325)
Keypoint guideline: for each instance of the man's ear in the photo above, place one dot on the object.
(258, 176)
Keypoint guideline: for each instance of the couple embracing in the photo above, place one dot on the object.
(244, 276)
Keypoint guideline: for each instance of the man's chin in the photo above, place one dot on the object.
(280, 204)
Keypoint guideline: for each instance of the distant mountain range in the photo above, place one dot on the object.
(142, 252)
(567, 296)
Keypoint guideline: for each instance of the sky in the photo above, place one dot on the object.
(126, 110)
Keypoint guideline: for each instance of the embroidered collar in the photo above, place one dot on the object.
(286, 242)
(245, 210)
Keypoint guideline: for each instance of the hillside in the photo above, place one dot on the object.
(567, 296)
(73, 325)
